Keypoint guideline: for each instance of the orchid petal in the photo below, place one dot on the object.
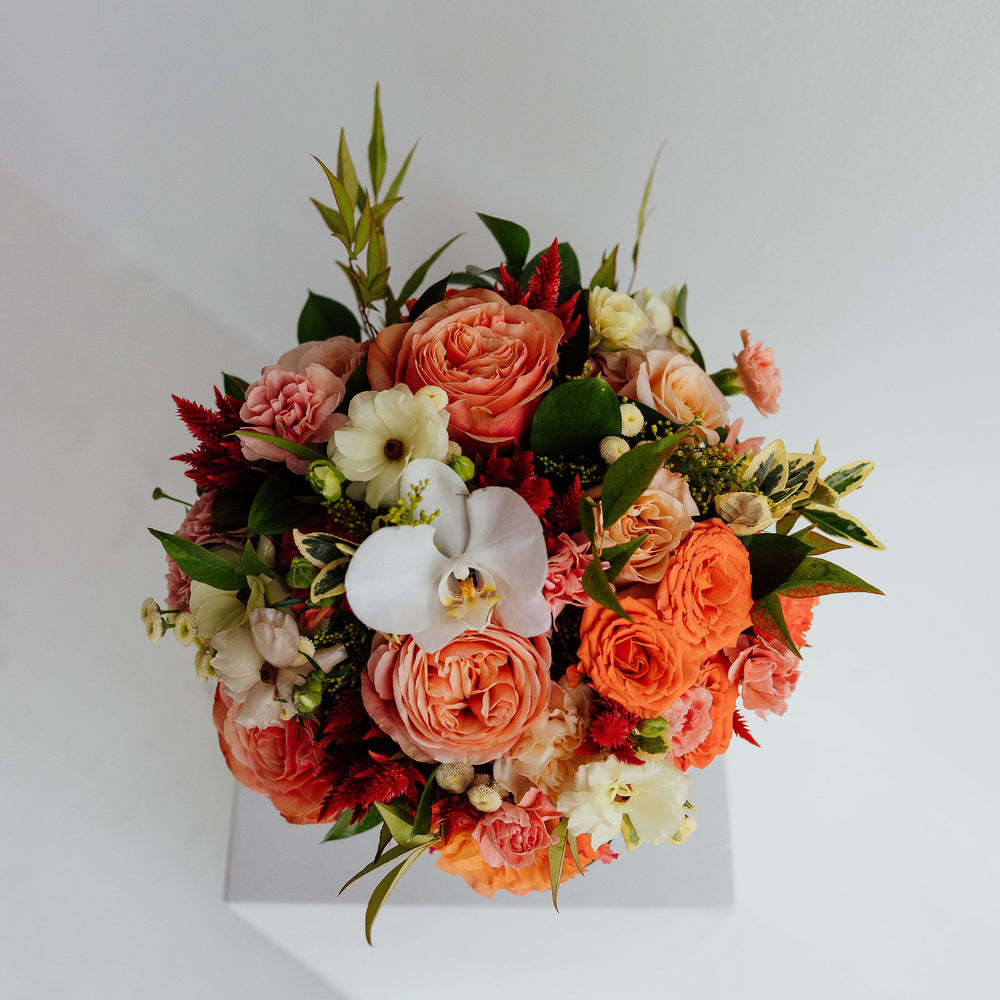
(506, 537)
(442, 630)
(443, 491)
(391, 582)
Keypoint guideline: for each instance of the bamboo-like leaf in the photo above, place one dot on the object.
(817, 578)
(643, 204)
(346, 171)
(376, 147)
(840, 524)
(366, 223)
(357, 280)
(597, 586)
(198, 563)
(345, 203)
(556, 856)
(397, 181)
(574, 849)
(513, 239)
(383, 208)
(378, 284)
(604, 276)
(414, 281)
(680, 314)
(848, 478)
(344, 828)
(629, 475)
(293, 447)
(422, 817)
(399, 821)
(383, 858)
(377, 256)
(382, 890)
(332, 218)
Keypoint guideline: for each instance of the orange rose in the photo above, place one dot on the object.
(706, 591)
(715, 678)
(642, 664)
(460, 855)
(468, 703)
(493, 359)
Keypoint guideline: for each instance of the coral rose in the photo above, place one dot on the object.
(706, 591)
(493, 359)
(282, 761)
(461, 855)
(297, 408)
(467, 703)
(758, 377)
(510, 836)
(340, 355)
(664, 512)
(714, 678)
(679, 388)
(642, 664)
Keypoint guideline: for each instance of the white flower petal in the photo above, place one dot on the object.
(392, 579)
(328, 658)
(276, 636)
(506, 537)
(444, 491)
(260, 710)
(237, 663)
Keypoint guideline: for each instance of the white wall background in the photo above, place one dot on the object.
(830, 181)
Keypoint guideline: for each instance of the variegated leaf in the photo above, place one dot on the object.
(848, 478)
(769, 469)
(802, 473)
(329, 582)
(824, 494)
(319, 547)
(840, 524)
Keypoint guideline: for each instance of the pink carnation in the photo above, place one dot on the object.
(758, 377)
(296, 407)
(511, 836)
(690, 720)
(767, 674)
(196, 527)
(564, 582)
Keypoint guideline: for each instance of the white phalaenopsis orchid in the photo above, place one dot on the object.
(481, 559)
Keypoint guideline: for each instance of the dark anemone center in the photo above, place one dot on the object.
(393, 449)
(268, 673)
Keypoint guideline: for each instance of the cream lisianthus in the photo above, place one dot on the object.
(482, 559)
(386, 431)
(616, 321)
(606, 792)
(261, 665)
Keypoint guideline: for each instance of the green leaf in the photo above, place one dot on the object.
(234, 386)
(250, 563)
(773, 559)
(618, 555)
(293, 447)
(377, 259)
(398, 179)
(301, 573)
(513, 239)
(422, 817)
(399, 821)
(382, 890)
(344, 828)
(840, 524)
(629, 475)
(198, 563)
(596, 585)
(643, 204)
(275, 508)
(431, 294)
(366, 223)
(604, 276)
(345, 170)
(322, 318)
(332, 218)
(345, 203)
(848, 478)
(574, 416)
(376, 147)
(767, 616)
(817, 577)
(585, 514)
(629, 834)
(680, 313)
(574, 849)
(557, 855)
(381, 209)
(414, 281)
(378, 283)
(384, 857)
(817, 542)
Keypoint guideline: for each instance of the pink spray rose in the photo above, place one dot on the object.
(292, 406)
(767, 673)
(493, 359)
(340, 355)
(467, 703)
(758, 377)
(512, 835)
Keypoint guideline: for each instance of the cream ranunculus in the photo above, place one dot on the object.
(604, 792)
(386, 431)
(617, 322)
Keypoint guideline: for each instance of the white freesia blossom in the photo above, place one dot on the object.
(261, 665)
(482, 559)
(387, 430)
(651, 795)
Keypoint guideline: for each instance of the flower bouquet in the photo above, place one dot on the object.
(487, 564)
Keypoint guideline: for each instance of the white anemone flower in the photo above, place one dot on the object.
(651, 795)
(482, 559)
(261, 665)
(387, 430)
